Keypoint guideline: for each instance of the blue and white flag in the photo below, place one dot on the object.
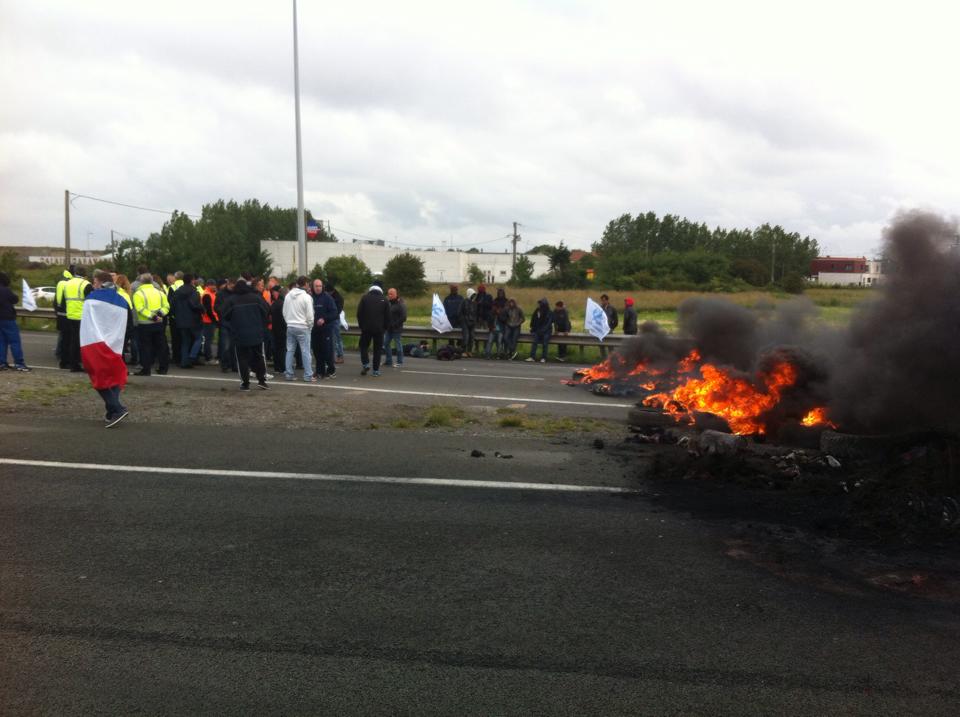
(438, 318)
(595, 320)
(28, 301)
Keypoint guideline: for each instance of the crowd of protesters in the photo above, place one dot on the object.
(248, 324)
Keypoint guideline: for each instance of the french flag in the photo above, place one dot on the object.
(102, 328)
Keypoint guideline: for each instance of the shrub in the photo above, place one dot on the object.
(348, 273)
(405, 273)
(793, 283)
(475, 274)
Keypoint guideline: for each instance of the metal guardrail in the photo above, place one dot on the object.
(581, 341)
(420, 333)
(38, 313)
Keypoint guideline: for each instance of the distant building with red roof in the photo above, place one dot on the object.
(846, 270)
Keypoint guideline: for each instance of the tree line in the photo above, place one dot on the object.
(223, 241)
(634, 252)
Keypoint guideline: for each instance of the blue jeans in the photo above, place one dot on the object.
(538, 339)
(190, 342)
(298, 336)
(510, 339)
(208, 330)
(228, 359)
(390, 339)
(10, 336)
(495, 337)
(111, 399)
(337, 341)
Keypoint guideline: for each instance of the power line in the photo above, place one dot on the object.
(547, 231)
(128, 206)
(341, 230)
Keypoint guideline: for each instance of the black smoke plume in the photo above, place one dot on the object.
(895, 368)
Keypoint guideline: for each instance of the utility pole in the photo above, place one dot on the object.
(516, 238)
(773, 259)
(301, 220)
(66, 227)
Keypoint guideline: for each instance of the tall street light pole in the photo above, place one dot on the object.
(301, 221)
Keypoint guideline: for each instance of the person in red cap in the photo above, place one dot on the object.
(629, 317)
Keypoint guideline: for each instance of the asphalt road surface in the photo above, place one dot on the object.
(181, 569)
(424, 381)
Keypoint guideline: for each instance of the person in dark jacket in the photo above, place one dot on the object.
(394, 337)
(225, 295)
(9, 331)
(468, 321)
(541, 326)
(629, 317)
(496, 326)
(189, 322)
(611, 313)
(561, 326)
(325, 317)
(246, 315)
(484, 306)
(335, 331)
(452, 306)
(373, 317)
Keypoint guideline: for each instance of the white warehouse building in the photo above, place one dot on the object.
(439, 266)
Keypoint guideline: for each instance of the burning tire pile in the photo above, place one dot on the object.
(773, 398)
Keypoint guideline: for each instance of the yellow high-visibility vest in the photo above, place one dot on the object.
(73, 295)
(61, 285)
(148, 301)
(126, 296)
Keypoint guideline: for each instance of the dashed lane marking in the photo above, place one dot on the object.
(326, 477)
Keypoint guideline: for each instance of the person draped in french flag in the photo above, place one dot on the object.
(102, 328)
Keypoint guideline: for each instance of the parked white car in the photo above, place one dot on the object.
(44, 292)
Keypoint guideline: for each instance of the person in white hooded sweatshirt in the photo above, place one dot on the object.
(298, 314)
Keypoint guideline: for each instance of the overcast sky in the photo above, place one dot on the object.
(447, 121)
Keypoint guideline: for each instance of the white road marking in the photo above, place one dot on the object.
(473, 375)
(328, 477)
(333, 386)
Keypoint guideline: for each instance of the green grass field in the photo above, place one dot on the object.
(835, 305)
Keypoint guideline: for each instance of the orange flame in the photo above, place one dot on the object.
(817, 417)
(734, 399)
(691, 387)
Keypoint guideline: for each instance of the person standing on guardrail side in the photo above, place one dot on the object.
(468, 322)
(541, 326)
(394, 337)
(484, 306)
(452, 305)
(513, 320)
(611, 313)
(561, 327)
(373, 317)
(496, 326)
(629, 317)
(9, 331)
